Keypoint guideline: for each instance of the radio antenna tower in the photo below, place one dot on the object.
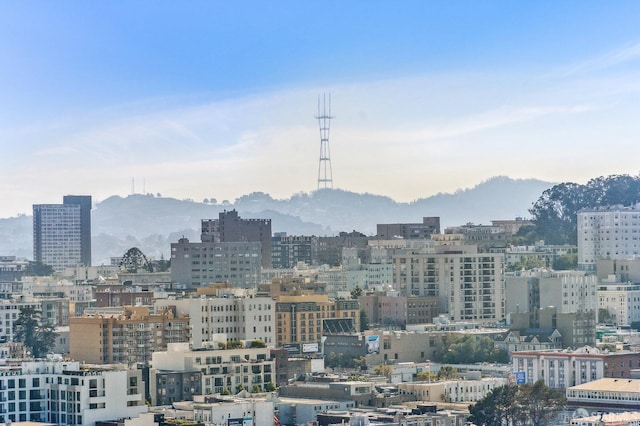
(325, 177)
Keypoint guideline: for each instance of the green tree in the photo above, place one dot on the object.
(38, 269)
(30, 329)
(530, 404)
(364, 320)
(269, 387)
(447, 372)
(566, 262)
(356, 292)
(542, 402)
(134, 259)
(255, 389)
(257, 343)
(239, 388)
(555, 212)
(424, 376)
(383, 370)
(497, 406)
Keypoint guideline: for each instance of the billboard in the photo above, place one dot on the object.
(246, 421)
(292, 348)
(521, 377)
(309, 347)
(373, 344)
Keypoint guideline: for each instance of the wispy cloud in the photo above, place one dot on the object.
(614, 58)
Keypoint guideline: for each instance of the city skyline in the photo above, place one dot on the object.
(211, 100)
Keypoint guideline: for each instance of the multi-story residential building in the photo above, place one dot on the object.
(470, 285)
(609, 232)
(451, 390)
(619, 303)
(62, 232)
(546, 255)
(424, 230)
(287, 251)
(482, 235)
(422, 309)
(299, 317)
(566, 368)
(223, 370)
(237, 313)
(127, 338)
(568, 291)
(256, 411)
(195, 265)
(576, 329)
(385, 308)
(330, 248)
(230, 228)
(62, 393)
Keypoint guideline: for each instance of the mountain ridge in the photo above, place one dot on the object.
(152, 223)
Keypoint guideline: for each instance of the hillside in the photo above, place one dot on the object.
(152, 223)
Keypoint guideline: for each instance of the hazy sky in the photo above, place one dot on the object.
(217, 98)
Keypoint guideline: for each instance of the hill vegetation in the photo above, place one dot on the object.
(555, 212)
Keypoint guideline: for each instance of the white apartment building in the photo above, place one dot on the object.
(234, 312)
(568, 291)
(470, 285)
(62, 393)
(259, 410)
(611, 233)
(559, 369)
(451, 390)
(621, 301)
(222, 369)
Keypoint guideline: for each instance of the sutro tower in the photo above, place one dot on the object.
(325, 179)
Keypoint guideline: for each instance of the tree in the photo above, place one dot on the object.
(356, 292)
(383, 370)
(38, 269)
(255, 389)
(257, 343)
(555, 213)
(37, 336)
(135, 259)
(424, 376)
(447, 372)
(364, 320)
(269, 386)
(543, 402)
(498, 405)
(531, 404)
(566, 262)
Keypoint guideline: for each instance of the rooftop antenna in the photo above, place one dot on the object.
(325, 176)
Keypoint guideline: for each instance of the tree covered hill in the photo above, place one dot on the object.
(152, 223)
(555, 211)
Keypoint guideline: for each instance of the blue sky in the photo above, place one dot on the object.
(216, 99)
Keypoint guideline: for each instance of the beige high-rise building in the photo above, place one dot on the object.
(470, 286)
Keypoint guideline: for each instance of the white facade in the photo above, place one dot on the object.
(622, 301)
(240, 318)
(221, 368)
(259, 410)
(560, 369)
(451, 390)
(62, 393)
(612, 232)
